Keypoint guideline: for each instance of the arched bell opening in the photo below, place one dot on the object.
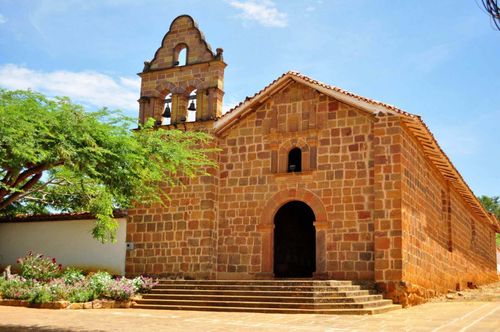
(181, 55)
(166, 117)
(294, 241)
(191, 109)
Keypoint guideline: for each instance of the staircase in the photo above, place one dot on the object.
(267, 296)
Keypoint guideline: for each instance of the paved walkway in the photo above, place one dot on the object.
(437, 316)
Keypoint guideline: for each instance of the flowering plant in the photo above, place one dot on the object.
(42, 280)
(72, 275)
(81, 291)
(99, 282)
(144, 284)
(39, 267)
(16, 288)
(121, 289)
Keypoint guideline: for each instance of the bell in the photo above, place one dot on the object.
(166, 113)
(192, 106)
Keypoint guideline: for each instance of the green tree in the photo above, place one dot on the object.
(55, 156)
(492, 204)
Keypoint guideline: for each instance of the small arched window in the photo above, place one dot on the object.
(295, 160)
(180, 55)
(182, 58)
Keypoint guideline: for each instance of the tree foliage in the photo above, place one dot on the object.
(55, 156)
(492, 204)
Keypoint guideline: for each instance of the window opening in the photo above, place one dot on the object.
(182, 57)
(295, 160)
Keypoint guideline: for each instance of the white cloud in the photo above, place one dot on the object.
(2, 19)
(261, 11)
(85, 87)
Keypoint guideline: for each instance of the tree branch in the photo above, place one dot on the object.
(15, 196)
(31, 171)
(40, 187)
(6, 179)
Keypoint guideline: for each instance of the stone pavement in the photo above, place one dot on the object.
(437, 316)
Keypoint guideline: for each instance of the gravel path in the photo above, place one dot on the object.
(486, 293)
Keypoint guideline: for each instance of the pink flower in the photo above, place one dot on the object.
(54, 260)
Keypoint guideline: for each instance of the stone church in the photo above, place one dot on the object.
(313, 181)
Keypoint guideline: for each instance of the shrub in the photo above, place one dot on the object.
(72, 275)
(39, 267)
(58, 289)
(39, 284)
(121, 289)
(144, 284)
(99, 283)
(16, 288)
(81, 291)
(40, 293)
(2, 282)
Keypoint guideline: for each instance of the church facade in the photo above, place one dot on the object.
(312, 182)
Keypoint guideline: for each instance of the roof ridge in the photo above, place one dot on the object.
(349, 93)
(299, 75)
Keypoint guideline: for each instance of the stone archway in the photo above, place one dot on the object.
(266, 228)
(294, 241)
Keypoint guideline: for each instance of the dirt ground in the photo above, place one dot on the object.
(486, 293)
(471, 310)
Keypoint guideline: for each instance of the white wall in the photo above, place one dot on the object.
(69, 241)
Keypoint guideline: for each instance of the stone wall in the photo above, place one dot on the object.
(230, 217)
(179, 237)
(182, 32)
(445, 245)
(164, 76)
(388, 239)
(336, 183)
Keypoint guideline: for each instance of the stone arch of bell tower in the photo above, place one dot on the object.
(203, 72)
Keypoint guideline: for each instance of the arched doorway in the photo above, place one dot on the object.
(294, 241)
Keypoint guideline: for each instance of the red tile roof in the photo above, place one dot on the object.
(57, 216)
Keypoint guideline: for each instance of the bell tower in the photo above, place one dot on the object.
(185, 80)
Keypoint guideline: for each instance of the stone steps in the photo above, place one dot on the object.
(275, 282)
(261, 287)
(253, 304)
(245, 292)
(370, 311)
(279, 296)
(284, 299)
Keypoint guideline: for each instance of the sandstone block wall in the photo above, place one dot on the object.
(162, 76)
(179, 238)
(445, 245)
(183, 31)
(336, 182)
(388, 237)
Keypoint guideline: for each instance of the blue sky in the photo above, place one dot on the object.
(438, 59)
